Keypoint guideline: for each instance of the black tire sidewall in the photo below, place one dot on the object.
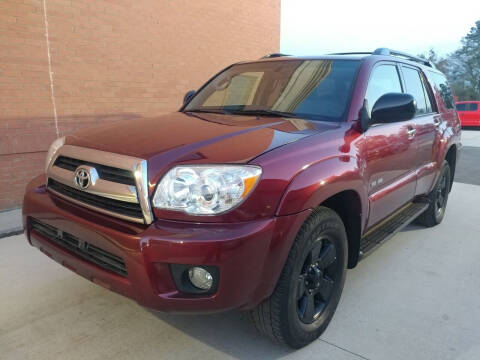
(440, 215)
(328, 223)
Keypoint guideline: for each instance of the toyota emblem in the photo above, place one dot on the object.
(82, 178)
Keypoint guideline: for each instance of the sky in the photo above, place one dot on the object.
(312, 27)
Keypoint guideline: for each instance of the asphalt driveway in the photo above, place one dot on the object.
(417, 297)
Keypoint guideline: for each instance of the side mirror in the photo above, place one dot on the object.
(188, 96)
(393, 107)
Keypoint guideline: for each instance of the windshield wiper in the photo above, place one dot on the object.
(259, 112)
(265, 112)
(213, 111)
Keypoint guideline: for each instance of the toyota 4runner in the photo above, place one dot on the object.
(271, 180)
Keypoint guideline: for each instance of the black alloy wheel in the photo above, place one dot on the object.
(437, 199)
(442, 192)
(316, 281)
(311, 283)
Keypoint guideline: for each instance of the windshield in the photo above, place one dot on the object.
(311, 89)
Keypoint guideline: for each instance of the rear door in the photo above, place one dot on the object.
(427, 120)
(391, 150)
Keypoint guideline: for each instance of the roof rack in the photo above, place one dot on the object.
(390, 52)
(353, 53)
(274, 55)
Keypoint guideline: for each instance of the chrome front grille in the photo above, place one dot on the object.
(117, 184)
(109, 173)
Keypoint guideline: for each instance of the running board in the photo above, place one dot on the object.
(389, 227)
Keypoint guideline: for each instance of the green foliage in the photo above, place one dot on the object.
(462, 67)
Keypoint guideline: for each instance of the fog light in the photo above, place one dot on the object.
(200, 278)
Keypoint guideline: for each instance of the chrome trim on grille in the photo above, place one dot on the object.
(104, 188)
(103, 211)
(100, 187)
(141, 178)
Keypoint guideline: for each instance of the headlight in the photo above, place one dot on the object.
(57, 144)
(205, 189)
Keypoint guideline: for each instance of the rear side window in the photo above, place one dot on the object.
(427, 92)
(441, 85)
(384, 79)
(414, 87)
(467, 107)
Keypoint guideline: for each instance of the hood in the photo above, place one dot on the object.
(199, 137)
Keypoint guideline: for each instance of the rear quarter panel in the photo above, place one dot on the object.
(448, 132)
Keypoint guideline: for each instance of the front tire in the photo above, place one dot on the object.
(309, 288)
(438, 199)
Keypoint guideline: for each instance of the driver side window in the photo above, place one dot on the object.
(384, 79)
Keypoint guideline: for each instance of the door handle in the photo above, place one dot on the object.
(436, 122)
(411, 132)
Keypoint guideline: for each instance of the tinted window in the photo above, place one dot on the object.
(441, 85)
(427, 91)
(384, 79)
(467, 107)
(313, 89)
(414, 87)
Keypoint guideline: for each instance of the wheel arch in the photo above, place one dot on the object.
(347, 204)
(335, 183)
(451, 158)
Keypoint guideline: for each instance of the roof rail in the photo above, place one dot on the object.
(274, 55)
(352, 53)
(390, 52)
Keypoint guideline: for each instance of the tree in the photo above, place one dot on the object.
(441, 63)
(462, 67)
(466, 65)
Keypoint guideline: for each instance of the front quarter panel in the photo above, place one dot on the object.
(317, 168)
(321, 180)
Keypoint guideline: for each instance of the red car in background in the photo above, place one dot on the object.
(469, 113)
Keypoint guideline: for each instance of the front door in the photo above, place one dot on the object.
(391, 151)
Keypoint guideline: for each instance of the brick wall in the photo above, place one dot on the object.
(110, 60)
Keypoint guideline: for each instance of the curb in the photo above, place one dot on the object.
(11, 232)
(10, 222)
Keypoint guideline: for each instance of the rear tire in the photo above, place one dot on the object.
(438, 199)
(309, 288)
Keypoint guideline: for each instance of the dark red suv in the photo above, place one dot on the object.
(273, 178)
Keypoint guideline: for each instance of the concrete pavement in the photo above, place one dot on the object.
(417, 297)
(471, 137)
(469, 166)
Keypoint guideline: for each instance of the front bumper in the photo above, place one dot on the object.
(249, 255)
